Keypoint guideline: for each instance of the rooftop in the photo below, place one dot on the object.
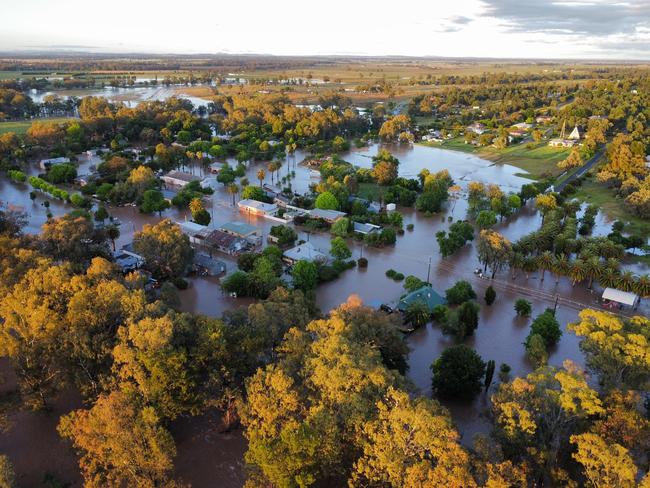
(619, 296)
(238, 228)
(264, 207)
(425, 294)
(305, 251)
(326, 214)
(180, 175)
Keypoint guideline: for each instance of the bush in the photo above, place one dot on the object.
(463, 321)
(458, 372)
(490, 295)
(536, 350)
(459, 293)
(394, 275)
(523, 307)
(413, 283)
(409, 227)
(180, 283)
(362, 262)
(440, 313)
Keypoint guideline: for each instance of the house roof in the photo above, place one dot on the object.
(55, 160)
(618, 296)
(425, 294)
(265, 207)
(326, 214)
(364, 228)
(180, 175)
(225, 241)
(192, 228)
(305, 251)
(239, 228)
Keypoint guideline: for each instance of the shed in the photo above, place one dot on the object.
(619, 296)
(365, 228)
(425, 294)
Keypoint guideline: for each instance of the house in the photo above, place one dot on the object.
(257, 208)
(523, 126)
(226, 243)
(46, 164)
(425, 294)
(196, 232)
(517, 133)
(210, 182)
(330, 216)
(127, 261)
(561, 143)
(576, 134)
(243, 231)
(543, 119)
(207, 265)
(179, 179)
(305, 251)
(365, 229)
(477, 128)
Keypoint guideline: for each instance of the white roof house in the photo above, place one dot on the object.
(618, 296)
(196, 232)
(327, 215)
(365, 228)
(256, 207)
(179, 178)
(305, 251)
(575, 135)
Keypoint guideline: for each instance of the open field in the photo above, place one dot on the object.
(21, 126)
(538, 161)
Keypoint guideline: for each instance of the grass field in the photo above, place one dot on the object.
(21, 126)
(605, 198)
(538, 162)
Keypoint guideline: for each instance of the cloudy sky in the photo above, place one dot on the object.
(470, 28)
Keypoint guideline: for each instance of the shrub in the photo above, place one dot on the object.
(459, 293)
(409, 227)
(440, 313)
(463, 321)
(523, 307)
(546, 326)
(536, 350)
(362, 262)
(504, 372)
(490, 295)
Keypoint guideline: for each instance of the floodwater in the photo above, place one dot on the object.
(500, 334)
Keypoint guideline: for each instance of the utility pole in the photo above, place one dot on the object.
(557, 297)
(429, 269)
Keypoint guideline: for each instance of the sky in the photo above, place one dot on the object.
(589, 29)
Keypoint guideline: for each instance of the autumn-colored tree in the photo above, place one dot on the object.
(73, 238)
(120, 442)
(494, 250)
(604, 464)
(619, 350)
(165, 248)
(572, 161)
(411, 443)
(142, 178)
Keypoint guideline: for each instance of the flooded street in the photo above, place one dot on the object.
(204, 454)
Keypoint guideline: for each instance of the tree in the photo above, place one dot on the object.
(326, 201)
(411, 443)
(486, 219)
(523, 307)
(341, 228)
(305, 275)
(604, 464)
(572, 161)
(101, 214)
(7, 475)
(417, 314)
(536, 350)
(546, 326)
(199, 214)
(489, 373)
(74, 238)
(339, 249)
(166, 250)
(462, 321)
(458, 372)
(619, 350)
(490, 295)
(261, 174)
(120, 441)
(174, 362)
(494, 250)
(461, 292)
(384, 172)
(153, 201)
(412, 283)
(142, 178)
(233, 189)
(284, 234)
(545, 202)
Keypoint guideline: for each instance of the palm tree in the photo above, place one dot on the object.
(625, 281)
(593, 269)
(417, 314)
(113, 232)
(642, 286)
(609, 278)
(529, 265)
(516, 262)
(561, 266)
(233, 189)
(613, 264)
(577, 271)
(261, 174)
(545, 262)
(271, 168)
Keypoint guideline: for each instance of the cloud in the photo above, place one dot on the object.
(576, 17)
(455, 23)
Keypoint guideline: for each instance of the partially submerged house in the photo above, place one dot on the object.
(207, 265)
(365, 228)
(257, 208)
(127, 261)
(330, 216)
(305, 251)
(218, 240)
(243, 231)
(426, 294)
(195, 232)
(179, 179)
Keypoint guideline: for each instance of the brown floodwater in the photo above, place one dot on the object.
(206, 458)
